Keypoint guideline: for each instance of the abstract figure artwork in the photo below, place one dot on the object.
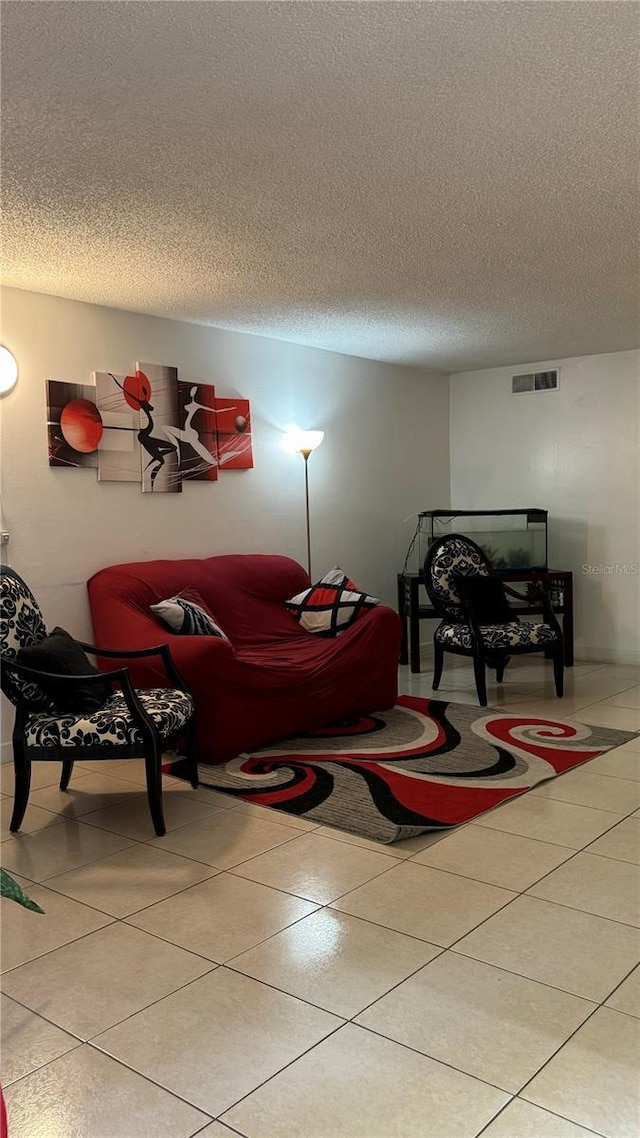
(160, 461)
(148, 427)
(197, 442)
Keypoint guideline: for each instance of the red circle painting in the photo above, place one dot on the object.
(137, 390)
(81, 425)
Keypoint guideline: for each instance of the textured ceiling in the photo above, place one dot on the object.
(447, 184)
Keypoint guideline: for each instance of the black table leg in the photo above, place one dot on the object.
(414, 625)
(402, 613)
(567, 620)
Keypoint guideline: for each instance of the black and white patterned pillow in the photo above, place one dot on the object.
(188, 614)
(331, 605)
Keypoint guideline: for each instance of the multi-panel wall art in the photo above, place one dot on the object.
(148, 428)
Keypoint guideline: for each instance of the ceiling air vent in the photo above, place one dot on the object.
(534, 381)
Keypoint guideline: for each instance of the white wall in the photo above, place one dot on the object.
(385, 455)
(576, 453)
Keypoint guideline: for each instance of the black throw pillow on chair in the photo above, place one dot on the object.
(59, 652)
(487, 598)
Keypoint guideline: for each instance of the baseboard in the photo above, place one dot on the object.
(607, 656)
(426, 655)
(6, 752)
(583, 655)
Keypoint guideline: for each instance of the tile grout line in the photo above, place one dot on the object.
(595, 1011)
(562, 1117)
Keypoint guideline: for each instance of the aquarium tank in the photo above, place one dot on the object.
(511, 539)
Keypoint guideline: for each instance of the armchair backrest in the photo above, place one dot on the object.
(21, 622)
(21, 625)
(453, 555)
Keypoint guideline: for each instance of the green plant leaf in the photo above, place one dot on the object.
(10, 888)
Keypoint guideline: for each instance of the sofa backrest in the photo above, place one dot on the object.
(246, 593)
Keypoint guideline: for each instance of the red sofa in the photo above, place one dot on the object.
(271, 678)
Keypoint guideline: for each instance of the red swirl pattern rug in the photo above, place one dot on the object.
(423, 765)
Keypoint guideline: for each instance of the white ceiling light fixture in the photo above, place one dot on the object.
(8, 370)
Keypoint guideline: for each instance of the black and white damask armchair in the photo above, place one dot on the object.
(72, 712)
(477, 619)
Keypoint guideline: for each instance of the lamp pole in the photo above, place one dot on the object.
(305, 454)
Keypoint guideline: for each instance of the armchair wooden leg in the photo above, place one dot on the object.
(481, 683)
(22, 767)
(154, 788)
(191, 754)
(501, 664)
(65, 777)
(438, 662)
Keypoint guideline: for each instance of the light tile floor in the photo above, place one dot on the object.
(258, 976)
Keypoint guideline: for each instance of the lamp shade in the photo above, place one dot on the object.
(302, 442)
(8, 370)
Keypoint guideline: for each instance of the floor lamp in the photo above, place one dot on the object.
(304, 442)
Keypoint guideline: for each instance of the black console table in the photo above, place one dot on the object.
(412, 612)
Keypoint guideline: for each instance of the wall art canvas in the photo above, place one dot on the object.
(154, 389)
(234, 434)
(119, 457)
(147, 427)
(74, 425)
(196, 437)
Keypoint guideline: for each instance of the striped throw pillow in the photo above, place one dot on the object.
(188, 614)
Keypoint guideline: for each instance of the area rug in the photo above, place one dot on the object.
(423, 765)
